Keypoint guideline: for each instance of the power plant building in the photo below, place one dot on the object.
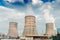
(30, 26)
(30, 32)
(50, 31)
(13, 31)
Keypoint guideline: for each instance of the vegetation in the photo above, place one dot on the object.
(56, 37)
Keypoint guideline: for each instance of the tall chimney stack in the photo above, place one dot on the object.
(50, 31)
(30, 26)
(13, 32)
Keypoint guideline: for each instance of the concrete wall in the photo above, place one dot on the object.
(50, 29)
(13, 31)
(30, 26)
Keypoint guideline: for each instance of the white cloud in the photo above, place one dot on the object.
(2, 19)
(29, 10)
(46, 9)
(38, 17)
(16, 15)
(34, 2)
(58, 1)
(12, 1)
(6, 13)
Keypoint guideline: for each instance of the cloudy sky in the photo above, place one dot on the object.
(46, 11)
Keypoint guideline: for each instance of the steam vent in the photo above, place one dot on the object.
(50, 29)
(30, 26)
(13, 32)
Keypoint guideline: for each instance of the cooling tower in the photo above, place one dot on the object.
(13, 32)
(30, 26)
(50, 31)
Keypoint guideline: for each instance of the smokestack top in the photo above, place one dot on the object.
(12, 23)
(29, 16)
(50, 24)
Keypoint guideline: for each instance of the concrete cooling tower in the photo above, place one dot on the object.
(50, 31)
(13, 32)
(30, 26)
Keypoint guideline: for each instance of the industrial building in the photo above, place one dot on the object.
(50, 31)
(30, 26)
(30, 32)
(13, 31)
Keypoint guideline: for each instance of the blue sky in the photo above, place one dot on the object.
(46, 11)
